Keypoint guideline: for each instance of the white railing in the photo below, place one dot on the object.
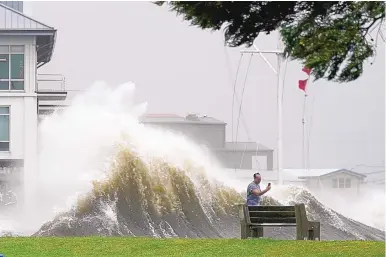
(51, 82)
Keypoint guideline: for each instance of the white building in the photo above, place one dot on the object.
(25, 45)
(211, 133)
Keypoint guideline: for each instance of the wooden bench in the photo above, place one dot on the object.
(254, 218)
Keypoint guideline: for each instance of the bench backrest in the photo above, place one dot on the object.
(270, 214)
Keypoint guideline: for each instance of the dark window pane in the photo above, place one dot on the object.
(4, 110)
(17, 66)
(4, 127)
(4, 146)
(17, 85)
(4, 85)
(4, 66)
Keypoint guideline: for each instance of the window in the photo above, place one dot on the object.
(4, 128)
(11, 67)
(334, 183)
(348, 183)
(341, 182)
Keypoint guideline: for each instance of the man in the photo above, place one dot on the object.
(253, 191)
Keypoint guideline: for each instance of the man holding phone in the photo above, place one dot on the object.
(253, 191)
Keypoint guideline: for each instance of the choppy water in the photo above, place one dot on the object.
(104, 173)
(161, 201)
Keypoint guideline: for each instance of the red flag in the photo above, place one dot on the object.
(302, 84)
(307, 70)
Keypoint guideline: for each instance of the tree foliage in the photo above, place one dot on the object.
(331, 38)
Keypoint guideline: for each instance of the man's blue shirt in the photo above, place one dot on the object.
(252, 199)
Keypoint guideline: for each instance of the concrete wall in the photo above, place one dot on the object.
(211, 135)
(23, 110)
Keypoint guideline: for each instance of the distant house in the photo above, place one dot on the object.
(211, 132)
(338, 180)
(341, 181)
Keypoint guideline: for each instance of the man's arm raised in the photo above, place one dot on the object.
(258, 192)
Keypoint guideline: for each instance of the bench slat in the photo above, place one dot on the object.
(273, 225)
(271, 208)
(271, 214)
(259, 220)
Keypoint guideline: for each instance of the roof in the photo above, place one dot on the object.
(356, 174)
(245, 146)
(17, 5)
(327, 172)
(172, 118)
(15, 23)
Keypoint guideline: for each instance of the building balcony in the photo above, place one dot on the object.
(47, 109)
(51, 87)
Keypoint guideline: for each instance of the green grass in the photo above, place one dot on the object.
(125, 246)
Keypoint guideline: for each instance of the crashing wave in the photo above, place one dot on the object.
(158, 200)
(155, 183)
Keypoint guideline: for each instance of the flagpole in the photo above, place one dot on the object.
(279, 118)
(304, 130)
(279, 151)
(303, 86)
(307, 128)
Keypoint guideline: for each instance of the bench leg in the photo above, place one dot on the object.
(317, 234)
(311, 235)
(244, 230)
(316, 226)
(249, 232)
(260, 232)
(299, 232)
(253, 233)
(257, 232)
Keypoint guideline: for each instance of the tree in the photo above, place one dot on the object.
(331, 38)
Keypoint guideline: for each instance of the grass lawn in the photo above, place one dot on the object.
(125, 246)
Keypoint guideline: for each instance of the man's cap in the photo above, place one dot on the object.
(256, 174)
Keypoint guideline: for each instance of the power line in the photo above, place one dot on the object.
(241, 116)
(242, 95)
(234, 89)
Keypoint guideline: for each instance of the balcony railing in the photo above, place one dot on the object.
(51, 83)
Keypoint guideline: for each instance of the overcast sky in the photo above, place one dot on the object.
(180, 69)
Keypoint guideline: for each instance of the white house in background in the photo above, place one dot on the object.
(341, 181)
(211, 132)
(25, 45)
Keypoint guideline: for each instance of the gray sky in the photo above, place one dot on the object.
(178, 69)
